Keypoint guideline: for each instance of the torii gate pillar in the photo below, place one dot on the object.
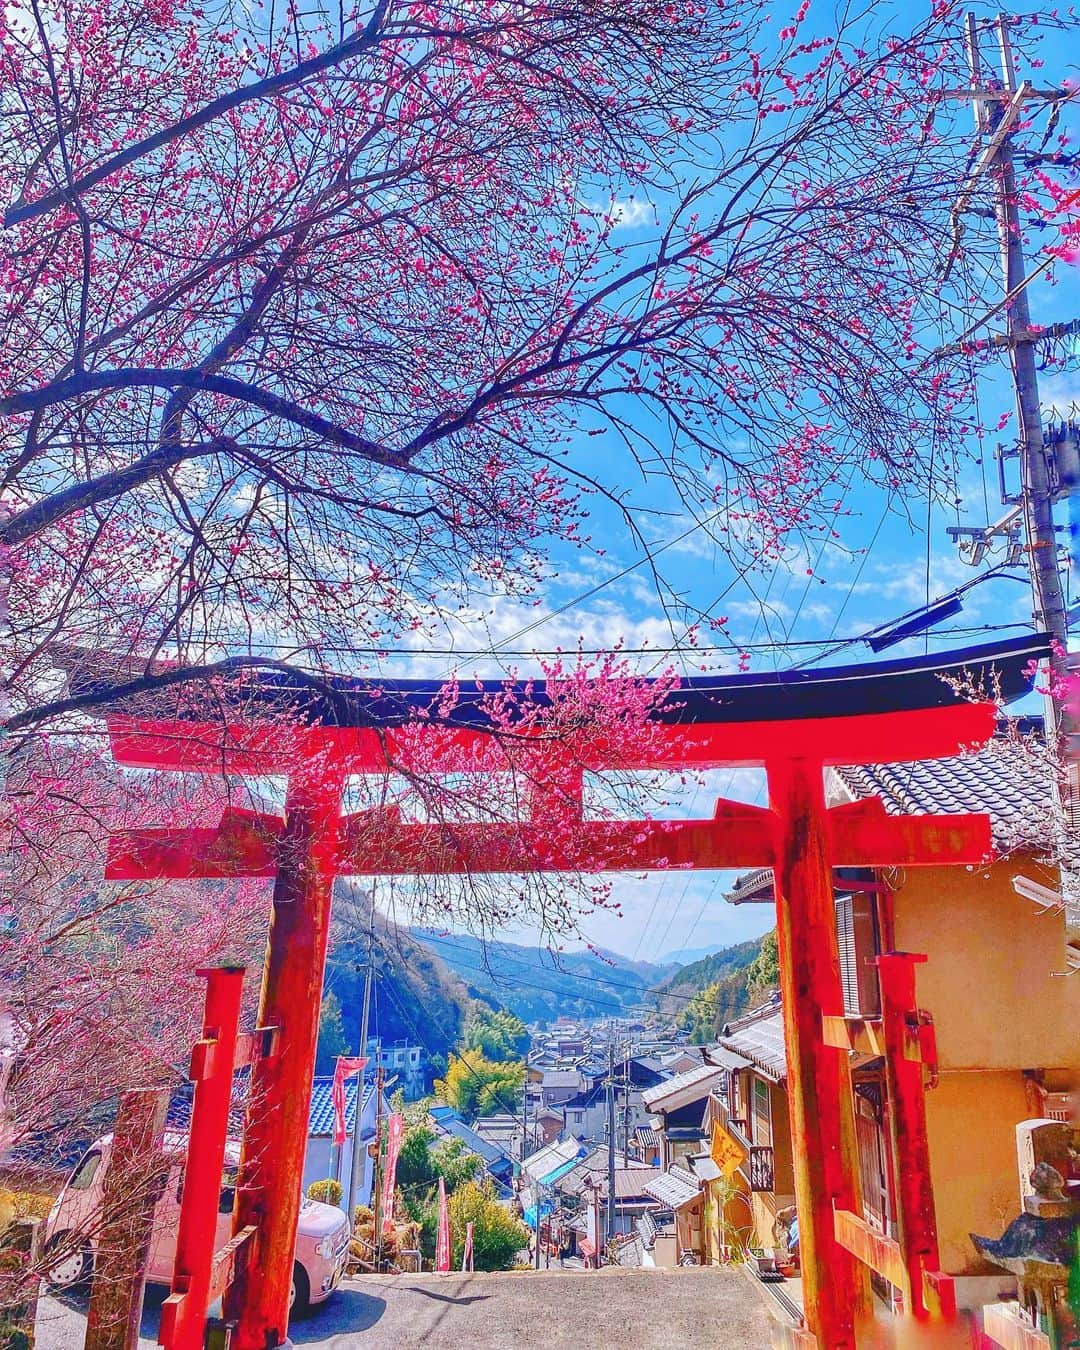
(836, 1293)
(272, 1161)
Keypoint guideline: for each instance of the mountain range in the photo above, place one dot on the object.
(429, 980)
(724, 974)
(685, 956)
(538, 985)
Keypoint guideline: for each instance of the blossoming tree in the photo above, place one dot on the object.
(309, 316)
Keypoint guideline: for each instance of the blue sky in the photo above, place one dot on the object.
(887, 562)
(877, 571)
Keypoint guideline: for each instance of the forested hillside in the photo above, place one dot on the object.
(417, 997)
(707, 993)
(539, 986)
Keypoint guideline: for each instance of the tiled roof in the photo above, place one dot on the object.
(759, 1037)
(320, 1119)
(675, 1188)
(592, 1164)
(704, 1168)
(447, 1121)
(632, 1181)
(1003, 780)
(557, 1173)
(727, 1058)
(560, 1078)
(322, 1106)
(681, 1089)
(755, 885)
(583, 1100)
(546, 1159)
(647, 1230)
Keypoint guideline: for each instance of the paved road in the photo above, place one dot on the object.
(630, 1309)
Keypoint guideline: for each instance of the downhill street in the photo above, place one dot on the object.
(631, 1309)
(690, 1309)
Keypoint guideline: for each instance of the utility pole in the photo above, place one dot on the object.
(365, 1016)
(999, 104)
(611, 1142)
(990, 117)
(624, 1084)
(376, 1190)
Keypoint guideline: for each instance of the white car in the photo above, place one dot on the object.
(322, 1238)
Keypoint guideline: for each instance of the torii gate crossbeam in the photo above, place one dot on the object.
(794, 726)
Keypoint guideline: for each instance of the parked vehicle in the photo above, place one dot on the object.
(322, 1238)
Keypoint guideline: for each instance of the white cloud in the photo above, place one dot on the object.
(1060, 396)
(628, 213)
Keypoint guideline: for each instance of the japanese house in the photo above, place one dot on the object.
(996, 1019)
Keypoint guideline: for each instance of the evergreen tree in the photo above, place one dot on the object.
(496, 1034)
(763, 972)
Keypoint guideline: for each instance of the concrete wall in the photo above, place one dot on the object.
(317, 1167)
(971, 1121)
(590, 1122)
(988, 980)
(997, 1010)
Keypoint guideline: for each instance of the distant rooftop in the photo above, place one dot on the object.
(682, 1089)
(759, 1038)
(447, 1121)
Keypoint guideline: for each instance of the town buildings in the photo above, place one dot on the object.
(995, 1019)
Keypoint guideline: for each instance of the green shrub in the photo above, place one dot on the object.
(328, 1191)
(498, 1236)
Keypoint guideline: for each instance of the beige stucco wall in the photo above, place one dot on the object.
(988, 980)
(971, 1122)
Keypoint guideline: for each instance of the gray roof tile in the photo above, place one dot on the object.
(759, 1037)
(1004, 780)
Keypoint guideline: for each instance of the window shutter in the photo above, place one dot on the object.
(761, 1131)
(845, 938)
(856, 938)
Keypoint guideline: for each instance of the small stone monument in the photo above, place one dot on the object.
(1040, 1247)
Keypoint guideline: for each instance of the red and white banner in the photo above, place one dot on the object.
(395, 1128)
(467, 1254)
(345, 1067)
(442, 1238)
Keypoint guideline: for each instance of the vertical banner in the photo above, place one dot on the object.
(395, 1128)
(345, 1067)
(442, 1239)
(467, 1254)
(592, 1224)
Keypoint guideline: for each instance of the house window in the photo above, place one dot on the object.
(762, 1126)
(856, 938)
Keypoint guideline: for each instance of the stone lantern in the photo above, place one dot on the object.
(1040, 1248)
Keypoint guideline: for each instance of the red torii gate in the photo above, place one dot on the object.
(794, 724)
